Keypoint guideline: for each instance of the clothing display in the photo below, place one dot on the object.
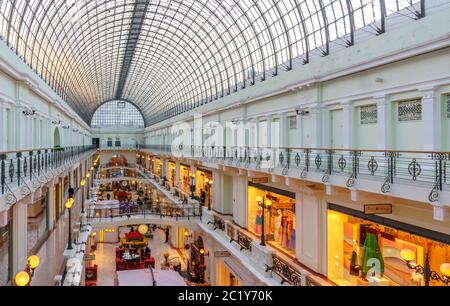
(355, 260)
(371, 251)
(258, 224)
(277, 226)
(289, 225)
(292, 241)
(279, 218)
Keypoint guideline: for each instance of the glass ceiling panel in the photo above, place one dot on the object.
(171, 56)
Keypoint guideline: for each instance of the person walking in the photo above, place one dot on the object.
(167, 234)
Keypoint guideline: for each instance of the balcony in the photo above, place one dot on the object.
(415, 175)
(271, 266)
(22, 172)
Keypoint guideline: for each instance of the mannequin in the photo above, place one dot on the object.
(292, 240)
(258, 224)
(278, 218)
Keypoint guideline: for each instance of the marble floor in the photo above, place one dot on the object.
(105, 258)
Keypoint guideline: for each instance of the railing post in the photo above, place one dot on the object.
(39, 162)
(3, 175)
(19, 156)
(31, 166)
(308, 159)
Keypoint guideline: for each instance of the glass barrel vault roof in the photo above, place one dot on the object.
(171, 56)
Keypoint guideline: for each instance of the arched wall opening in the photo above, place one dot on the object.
(56, 138)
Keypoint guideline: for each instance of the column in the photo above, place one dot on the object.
(177, 237)
(239, 134)
(325, 128)
(16, 141)
(431, 111)
(309, 213)
(283, 130)
(28, 133)
(258, 132)
(3, 127)
(384, 122)
(316, 113)
(348, 124)
(269, 131)
(240, 199)
(217, 189)
(178, 175)
(20, 222)
(299, 131)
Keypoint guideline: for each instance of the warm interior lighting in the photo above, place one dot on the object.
(202, 251)
(83, 183)
(33, 262)
(259, 199)
(22, 279)
(445, 269)
(186, 234)
(408, 255)
(88, 175)
(143, 229)
(269, 203)
(92, 168)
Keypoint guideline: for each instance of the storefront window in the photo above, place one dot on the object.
(5, 250)
(172, 174)
(363, 253)
(159, 166)
(37, 224)
(185, 180)
(279, 218)
(203, 179)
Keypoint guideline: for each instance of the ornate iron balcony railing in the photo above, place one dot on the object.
(35, 166)
(429, 169)
(286, 272)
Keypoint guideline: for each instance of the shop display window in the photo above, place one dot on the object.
(279, 218)
(185, 183)
(172, 174)
(159, 166)
(201, 184)
(363, 253)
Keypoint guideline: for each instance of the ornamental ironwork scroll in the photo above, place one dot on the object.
(244, 241)
(287, 273)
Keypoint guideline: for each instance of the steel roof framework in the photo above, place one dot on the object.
(171, 56)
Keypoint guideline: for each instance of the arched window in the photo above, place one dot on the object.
(117, 113)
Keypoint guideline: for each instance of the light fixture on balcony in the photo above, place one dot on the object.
(24, 278)
(409, 256)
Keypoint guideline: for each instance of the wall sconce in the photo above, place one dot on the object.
(29, 112)
(302, 112)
